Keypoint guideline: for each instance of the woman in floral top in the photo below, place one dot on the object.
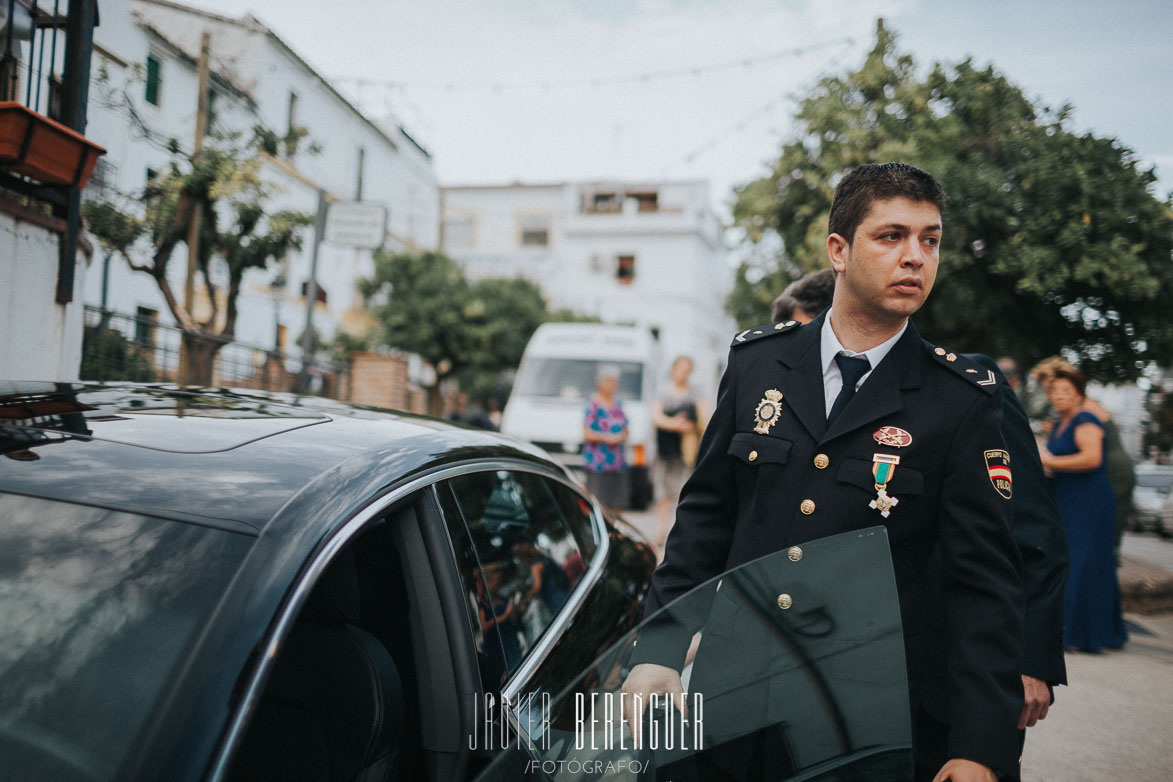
(603, 435)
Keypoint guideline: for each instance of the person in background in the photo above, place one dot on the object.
(604, 432)
(806, 297)
(678, 416)
(1075, 455)
(1121, 470)
(1121, 465)
(461, 413)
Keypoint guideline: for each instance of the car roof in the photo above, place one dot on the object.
(228, 458)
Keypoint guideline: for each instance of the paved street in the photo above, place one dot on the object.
(1115, 720)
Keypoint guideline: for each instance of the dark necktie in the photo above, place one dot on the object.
(852, 368)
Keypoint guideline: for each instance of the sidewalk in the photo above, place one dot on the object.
(1146, 574)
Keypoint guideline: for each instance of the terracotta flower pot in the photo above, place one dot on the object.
(43, 149)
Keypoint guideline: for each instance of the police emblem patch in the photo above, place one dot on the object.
(890, 435)
(768, 412)
(998, 467)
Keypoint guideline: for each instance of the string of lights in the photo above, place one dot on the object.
(763, 109)
(598, 81)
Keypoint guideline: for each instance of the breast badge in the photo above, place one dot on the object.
(998, 466)
(883, 467)
(768, 412)
(892, 437)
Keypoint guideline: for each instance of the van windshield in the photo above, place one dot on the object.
(574, 378)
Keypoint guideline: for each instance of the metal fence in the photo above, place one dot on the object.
(117, 346)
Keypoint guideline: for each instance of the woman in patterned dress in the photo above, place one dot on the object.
(603, 435)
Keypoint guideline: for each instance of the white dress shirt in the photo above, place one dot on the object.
(829, 347)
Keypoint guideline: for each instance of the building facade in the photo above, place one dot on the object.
(648, 254)
(148, 51)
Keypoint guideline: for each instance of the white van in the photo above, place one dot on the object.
(556, 377)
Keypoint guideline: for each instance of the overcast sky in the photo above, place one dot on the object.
(541, 91)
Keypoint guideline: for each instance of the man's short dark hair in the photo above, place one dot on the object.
(811, 293)
(857, 191)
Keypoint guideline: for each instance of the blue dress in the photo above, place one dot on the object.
(1091, 601)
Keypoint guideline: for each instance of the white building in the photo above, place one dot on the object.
(255, 78)
(648, 254)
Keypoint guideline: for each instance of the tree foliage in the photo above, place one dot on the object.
(1053, 242)
(223, 186)
(472, 331)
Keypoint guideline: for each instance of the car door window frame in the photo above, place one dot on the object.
(346, 532)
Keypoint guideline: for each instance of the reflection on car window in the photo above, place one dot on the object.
(97, 608)
(523, 560)
(799, 673)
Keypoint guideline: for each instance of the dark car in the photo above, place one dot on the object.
(230, 585)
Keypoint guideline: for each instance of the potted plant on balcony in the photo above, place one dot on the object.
(44, 150)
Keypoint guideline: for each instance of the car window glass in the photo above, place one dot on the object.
(486, 634)
(799, 673)
(529, 557)
(578, 516)
(98, 608)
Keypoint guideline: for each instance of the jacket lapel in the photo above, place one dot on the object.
(802, 386)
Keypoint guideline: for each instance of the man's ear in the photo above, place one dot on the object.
(838, 249)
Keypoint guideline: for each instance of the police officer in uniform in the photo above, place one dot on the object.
(1037, 528)
(851, 421)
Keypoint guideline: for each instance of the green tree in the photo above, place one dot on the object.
(419, 300)
(1054, 241)
(222, 187)
(473, 332)
(502, 316)
(222, 184)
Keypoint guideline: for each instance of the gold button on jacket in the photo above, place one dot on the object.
(807, 507)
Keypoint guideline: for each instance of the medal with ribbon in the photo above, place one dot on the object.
(883, 467)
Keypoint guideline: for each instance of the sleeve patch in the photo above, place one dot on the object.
(998, 468)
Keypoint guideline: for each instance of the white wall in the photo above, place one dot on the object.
(40, 339)
(681, 277)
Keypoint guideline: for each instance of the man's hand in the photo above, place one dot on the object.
(959, 770)
(644, 680)
(1037, 702)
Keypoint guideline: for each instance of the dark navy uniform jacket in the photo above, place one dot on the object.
(1041, 540)
(752, 494)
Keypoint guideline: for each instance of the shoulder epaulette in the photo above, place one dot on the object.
(965, 368)
(761, 332)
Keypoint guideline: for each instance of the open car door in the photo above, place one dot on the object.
(799, 674)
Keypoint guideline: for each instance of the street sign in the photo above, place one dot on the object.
(355, 224)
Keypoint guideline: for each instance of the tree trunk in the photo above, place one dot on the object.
(200, 352)
(435, 401)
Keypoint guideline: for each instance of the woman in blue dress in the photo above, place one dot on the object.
(1076, 457)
